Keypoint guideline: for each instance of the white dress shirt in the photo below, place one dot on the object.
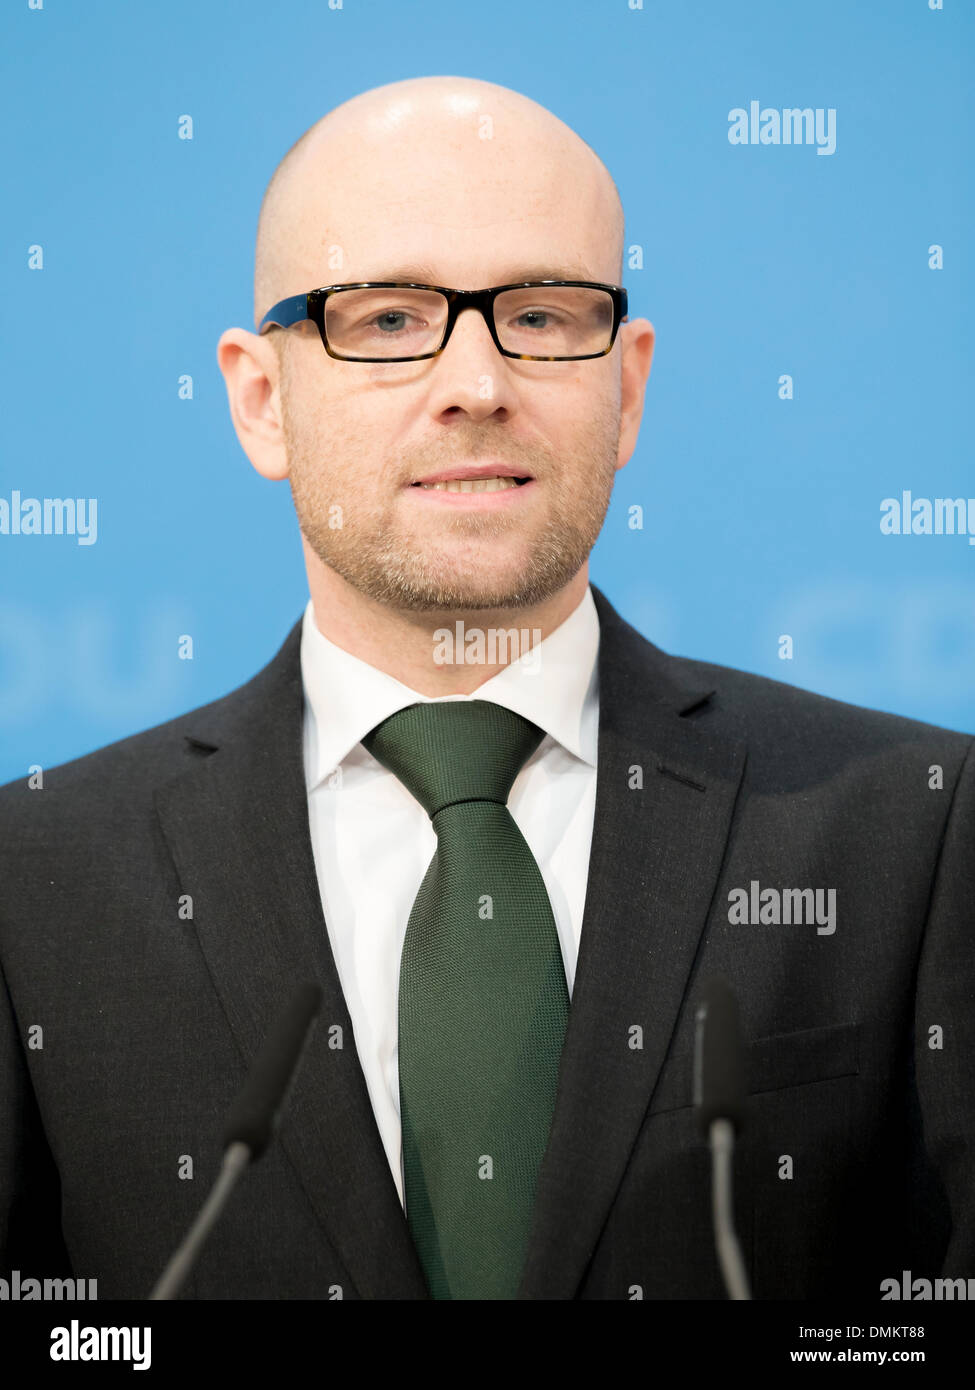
(373, 841)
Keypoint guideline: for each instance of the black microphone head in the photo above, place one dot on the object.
(719, 1057)
(253, 1116)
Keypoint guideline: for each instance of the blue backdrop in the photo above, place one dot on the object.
(842, 276)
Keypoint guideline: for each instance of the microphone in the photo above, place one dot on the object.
(253, 1119)
(719, 1098)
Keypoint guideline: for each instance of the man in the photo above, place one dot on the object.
(510, 872)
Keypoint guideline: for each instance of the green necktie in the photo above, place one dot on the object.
(483, 1003)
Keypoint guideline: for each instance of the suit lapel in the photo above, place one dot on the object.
(237, 825)
(236, 822)
(653, 868)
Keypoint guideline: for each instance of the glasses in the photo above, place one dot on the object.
(390, 321)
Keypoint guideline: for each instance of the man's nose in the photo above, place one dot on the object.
(471, 328)
(472, 375)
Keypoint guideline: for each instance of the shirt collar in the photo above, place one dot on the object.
(556, 688)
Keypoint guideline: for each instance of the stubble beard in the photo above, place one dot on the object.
(408, 572)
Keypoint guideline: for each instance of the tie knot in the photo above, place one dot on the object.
(454, 750)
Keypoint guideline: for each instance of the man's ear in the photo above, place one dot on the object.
(637, 339)
(251, 372)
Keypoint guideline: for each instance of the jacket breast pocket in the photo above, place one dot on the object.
(771, 1064)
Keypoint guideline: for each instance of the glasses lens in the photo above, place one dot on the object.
(385, 323)
(554, 321)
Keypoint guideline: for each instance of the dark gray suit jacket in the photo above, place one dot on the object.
(150, 1020)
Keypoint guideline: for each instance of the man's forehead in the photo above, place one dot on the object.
(458, 194)
(432, 272)
(527, 235)
(463, 245)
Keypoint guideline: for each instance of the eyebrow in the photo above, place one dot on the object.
(425, 274)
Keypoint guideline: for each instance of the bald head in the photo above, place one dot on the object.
(451, 168)
(456, 182)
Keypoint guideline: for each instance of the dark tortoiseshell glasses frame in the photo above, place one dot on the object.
(311, 306)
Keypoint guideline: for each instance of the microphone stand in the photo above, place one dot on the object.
(722, 1141)
(253, 1120)
(174, 1276)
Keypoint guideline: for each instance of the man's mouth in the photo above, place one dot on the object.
(475, 481)
(473, 477)
(492, 484)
